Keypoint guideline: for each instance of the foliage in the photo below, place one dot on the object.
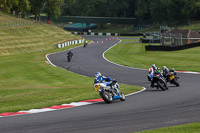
(53, 8)
(158, 11)
(36, 7)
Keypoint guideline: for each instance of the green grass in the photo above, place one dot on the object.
(28, 81)
(8, 21)
(130, 40)
(188, 128)
(134, 55)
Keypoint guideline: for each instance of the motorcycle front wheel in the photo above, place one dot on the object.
(161, 86)
(122, 96)
(174, 81)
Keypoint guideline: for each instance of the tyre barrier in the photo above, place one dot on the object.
(149, 40)
(68, 43)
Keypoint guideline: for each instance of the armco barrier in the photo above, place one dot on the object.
(171, 48)
(68, 43)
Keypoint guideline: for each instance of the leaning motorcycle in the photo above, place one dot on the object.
(159, 80)
(172, 78)
(109, 91)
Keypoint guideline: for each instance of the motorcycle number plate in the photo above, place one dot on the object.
(97, 87)
(172, 77)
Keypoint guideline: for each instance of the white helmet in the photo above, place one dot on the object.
(154, 67)
(164, 68)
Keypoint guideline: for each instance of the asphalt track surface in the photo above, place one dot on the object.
(147, 110)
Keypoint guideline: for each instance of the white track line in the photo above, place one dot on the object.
(188, 72)
(116, 63)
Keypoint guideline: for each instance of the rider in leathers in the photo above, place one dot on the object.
(100, 78)
(151, 73)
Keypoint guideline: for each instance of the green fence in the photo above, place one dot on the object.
(96, 20)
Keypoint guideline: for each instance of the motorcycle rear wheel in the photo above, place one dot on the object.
(107, 97)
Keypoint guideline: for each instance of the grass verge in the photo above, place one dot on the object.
(28, 81)
(188, 128)
(134, 55)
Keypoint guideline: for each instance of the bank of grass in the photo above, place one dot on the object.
(188, 128)
(134, 55)
(27, 80)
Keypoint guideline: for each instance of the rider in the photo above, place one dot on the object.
(152, 69)
(69, 55)
(151, 73)
(100, 78)
(86, 43)
(165, 71)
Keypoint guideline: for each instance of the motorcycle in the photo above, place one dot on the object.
(85, 44)
(109, 91)
(159, 80)
(172, 78)
(69, 58)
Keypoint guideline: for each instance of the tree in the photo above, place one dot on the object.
(158, 11)
(36, 7)
(21, 6)
(190, 9)
(96, 8)
(53, 8)
(6, 5)
(142, 9)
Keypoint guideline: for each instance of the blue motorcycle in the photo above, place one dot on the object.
(109, 91)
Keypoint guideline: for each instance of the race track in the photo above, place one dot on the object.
(147, 110)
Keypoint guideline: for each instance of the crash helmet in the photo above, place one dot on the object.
(164, 68)
(173, 69)
(150, 69)
(97, 74)
(86, 41)
(154, 67)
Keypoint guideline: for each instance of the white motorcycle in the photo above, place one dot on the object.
(109, 91)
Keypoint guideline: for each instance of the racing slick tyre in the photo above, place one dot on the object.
(107, 97)
(175, 82)
(161, 86)
(122, 96)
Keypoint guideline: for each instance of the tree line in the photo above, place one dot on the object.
(158, 11)
(52, 8)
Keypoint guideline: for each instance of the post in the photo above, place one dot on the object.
(20, 18)
(181, 38)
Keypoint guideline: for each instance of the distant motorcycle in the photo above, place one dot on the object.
(69, 56)
(109, 91)
(159, 80)
(172, 78)
(85, 44)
